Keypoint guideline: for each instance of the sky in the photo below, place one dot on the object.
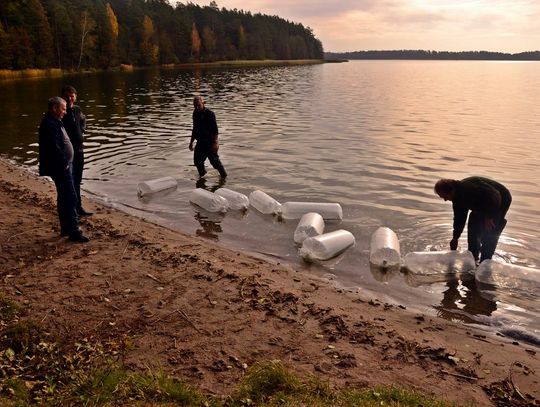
(441, 25)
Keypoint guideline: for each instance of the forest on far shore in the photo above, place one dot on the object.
(87, 34)
(422, 54)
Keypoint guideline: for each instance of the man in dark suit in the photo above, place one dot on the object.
(488, 202)
(55, 161)
(205, 131)
(75, 124)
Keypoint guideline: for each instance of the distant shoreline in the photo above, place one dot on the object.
(436, 55)
(8, 74)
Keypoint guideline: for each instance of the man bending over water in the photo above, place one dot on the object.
(488, 202)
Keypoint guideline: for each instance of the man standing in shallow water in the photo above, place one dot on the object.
(205, 131)
(488, 202)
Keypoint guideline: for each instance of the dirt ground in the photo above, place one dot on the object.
(205, 313)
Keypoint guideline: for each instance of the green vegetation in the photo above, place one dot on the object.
(100, 34)
(8, 309)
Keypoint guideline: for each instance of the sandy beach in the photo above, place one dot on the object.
(205, 313)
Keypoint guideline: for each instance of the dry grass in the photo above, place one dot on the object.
(7, 74)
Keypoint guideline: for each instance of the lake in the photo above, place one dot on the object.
(373, 136)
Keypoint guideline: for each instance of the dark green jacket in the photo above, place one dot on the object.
(480, 195)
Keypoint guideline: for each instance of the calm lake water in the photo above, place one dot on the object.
(371, 135)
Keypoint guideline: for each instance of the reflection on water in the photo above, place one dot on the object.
(371, 135)
(462, 299)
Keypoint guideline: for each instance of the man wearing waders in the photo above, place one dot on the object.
(205, 131)
(488, 202)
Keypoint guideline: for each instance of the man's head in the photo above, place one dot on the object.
(57, 107)
(198, 103)
(446, 189)
(69, 93)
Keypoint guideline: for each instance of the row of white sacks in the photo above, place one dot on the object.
(317, 245)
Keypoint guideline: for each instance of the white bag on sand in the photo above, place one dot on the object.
(384, 248)
(155, 185)
(236, 199)
(295, 210)
(326, 246)
(264, 203)
(311, 224)
(208, 200)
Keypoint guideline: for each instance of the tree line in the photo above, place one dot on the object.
(423, 54)
(82, 34)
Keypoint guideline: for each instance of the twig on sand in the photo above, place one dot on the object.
(184, 315)
(15, 235)
(511, 379)
(242, 288)
(459, 375)
(154, 278)
(127, 244)
(164, 316)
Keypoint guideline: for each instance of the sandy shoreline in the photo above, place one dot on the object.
(203, 312)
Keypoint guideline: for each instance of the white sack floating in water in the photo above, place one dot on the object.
(295, 210)
(326, 246)
(236, 199)
(311, 224)
(504, 275)
(431, 267)
(441, 262)
(208, 200)
(384, 248)
(155, 185)
(264, 203)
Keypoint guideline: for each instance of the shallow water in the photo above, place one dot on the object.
(371, 135)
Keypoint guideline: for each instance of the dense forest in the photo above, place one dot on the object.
(81, 34)
(421, 54)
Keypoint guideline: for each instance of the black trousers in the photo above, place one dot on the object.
(78, 165)
(66, 200)
(200, 155)
(482, 242)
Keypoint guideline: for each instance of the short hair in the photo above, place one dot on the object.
(445, 186)
(55, 101)
(196, 98)
(67, 89)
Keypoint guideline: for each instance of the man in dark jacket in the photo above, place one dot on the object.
(75, 123)
(205, 131)
(488, 202)
(55, 161)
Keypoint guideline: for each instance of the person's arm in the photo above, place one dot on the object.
(82, 121)
(53, 145)
(460, 217)
(491, 199)
(215, 132)
(192, 134)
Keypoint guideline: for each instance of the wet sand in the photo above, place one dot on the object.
(204, 312)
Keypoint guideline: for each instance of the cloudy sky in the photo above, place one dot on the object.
(442, 25)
